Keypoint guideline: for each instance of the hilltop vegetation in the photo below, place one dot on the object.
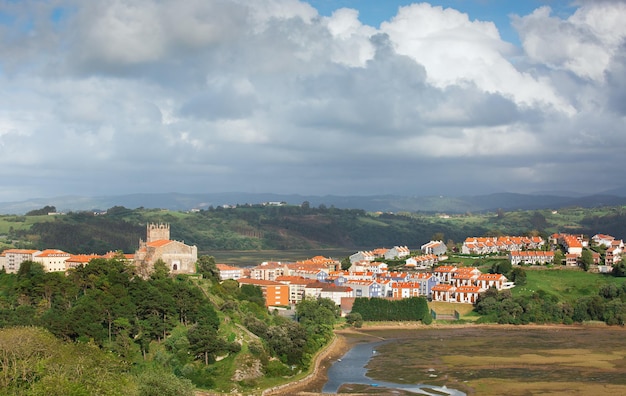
(258, 227)
(101, 329)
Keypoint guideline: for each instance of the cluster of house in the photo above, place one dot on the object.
(488, 245)
(285, 284)
(573, 246)
(179, 257)
(535, 251)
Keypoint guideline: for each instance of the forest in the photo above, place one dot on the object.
(122, 332)
(607, 305)
(291, 227)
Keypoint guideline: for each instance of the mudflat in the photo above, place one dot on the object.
(487, 359)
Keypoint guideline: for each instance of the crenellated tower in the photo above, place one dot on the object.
(157, 232)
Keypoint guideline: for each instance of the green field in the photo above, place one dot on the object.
(21, 222)
(567, 284)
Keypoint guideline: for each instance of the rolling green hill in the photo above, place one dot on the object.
(288, 227)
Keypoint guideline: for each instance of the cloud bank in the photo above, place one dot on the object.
(119, 96)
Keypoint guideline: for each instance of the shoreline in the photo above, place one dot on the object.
(346, 338)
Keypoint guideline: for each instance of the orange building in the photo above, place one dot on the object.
(275, 293)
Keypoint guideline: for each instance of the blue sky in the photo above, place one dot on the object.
(374, 12)
(454, 97)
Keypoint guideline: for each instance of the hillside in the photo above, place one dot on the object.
(287, 228)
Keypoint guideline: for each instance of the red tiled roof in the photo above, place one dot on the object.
(259, 282)
(159, 243)
(53, 253)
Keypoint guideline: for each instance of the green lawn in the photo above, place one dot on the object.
(21, 222)
(567, 284)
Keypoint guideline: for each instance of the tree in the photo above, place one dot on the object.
(503, 267)
(204, 342)
(450, 245)
(500, 214)
(160, 270)
(518, 275)
(345, 264)
(437, 236)
(43, 211)
(207, 267)
(619, 269)
(354, 319)
(586, 259)
(559, 257)
(538, 221)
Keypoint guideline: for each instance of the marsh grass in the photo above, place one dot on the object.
(506, 360)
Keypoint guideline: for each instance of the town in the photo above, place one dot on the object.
(428, 272)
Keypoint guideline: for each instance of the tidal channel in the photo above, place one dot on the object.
(350, 369)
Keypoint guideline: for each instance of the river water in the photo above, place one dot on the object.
(350, 369)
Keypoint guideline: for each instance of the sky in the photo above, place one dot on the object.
(345, 97)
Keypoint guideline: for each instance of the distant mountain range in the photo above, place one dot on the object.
(376, 203)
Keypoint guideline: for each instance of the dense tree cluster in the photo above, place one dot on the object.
(126, 324)
(105, 305)
(246, 227)
(295, 342)
(380, 309)
(609, 306)
(83, 233)
(43, 211)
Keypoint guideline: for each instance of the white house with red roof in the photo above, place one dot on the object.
(362, 256)
(53, 260)
(443, 292)
(613, 255)
(486, 281)
(421, 262)
(487, 245)
(465, 278)
(444, 273)
(229, 272)
(13, 258)
(397, 252)
(437, 248)
(269, 270)
(316, 290)
(405, 289)
(534, 257)
(603, 240)
(76, 260)
(467, 294)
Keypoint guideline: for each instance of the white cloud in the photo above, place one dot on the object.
(583, 44)
(455, 50)
(269, 96)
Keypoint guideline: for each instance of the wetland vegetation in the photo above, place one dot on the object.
(497, 360)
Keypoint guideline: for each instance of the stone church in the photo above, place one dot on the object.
(179, 258)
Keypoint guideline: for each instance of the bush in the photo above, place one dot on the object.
(163, 383)
(275, 368)
(354, 319)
